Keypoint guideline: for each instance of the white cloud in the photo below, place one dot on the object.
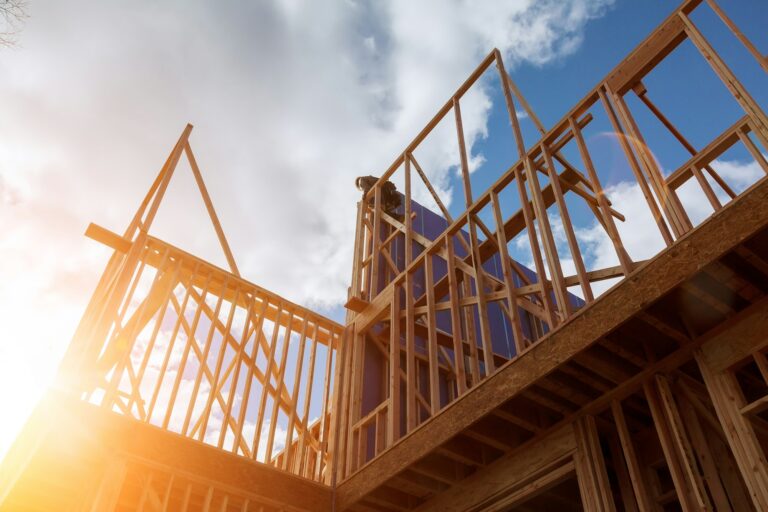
(640, 233)
(739, 175)
(290, 100)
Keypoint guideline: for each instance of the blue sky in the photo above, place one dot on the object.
(683, 87)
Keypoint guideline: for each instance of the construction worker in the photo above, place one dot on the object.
(390, 197)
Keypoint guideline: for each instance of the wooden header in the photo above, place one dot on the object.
(329, 332)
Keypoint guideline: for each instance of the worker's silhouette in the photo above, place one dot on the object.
(390, 197)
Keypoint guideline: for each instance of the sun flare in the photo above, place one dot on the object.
(33, 344)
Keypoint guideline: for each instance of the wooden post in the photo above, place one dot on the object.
(235, 377)
(734, 86)
(688, 492)
(644, 503)
(203, 361)
(167, 494)
(469, 324)
(356, 401)
(432, 192)
(761, 59)
(95, 333)
(590, 468)
(146, 488)
(337, 441)
(288, 451)
(208, 499)
(126, 342)
(682, 444)
(357, 263)
(509, 280)
(344, 432)
(622, 475)
(108, 492)
(550, 247)
(670, 203)
(407, 217)
(482, 303)
(211, 211)
(296, 463)
(642, 93)
(185, 354)
(706, 188)
(393, 433)
(533, 241)
(410, 356)
(174, 335)
(453, 297)
(462, 154)
(728, 401)
(505, 87)
(279, 382)
(700, 445)
(153, 337)
(249, 375)
(366, 264)
(639, 177)
(265, 388)
(573, 245)
(613, 234)
(524, 204)
(434, 362)
(485, 330)
(375, 243)
(329, 398)
(753, 150)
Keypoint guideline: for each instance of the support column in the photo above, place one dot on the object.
(728, 401)
(676, 446)
(108, 491)
(594, 485)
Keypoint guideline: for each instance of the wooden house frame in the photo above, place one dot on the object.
(651, 396)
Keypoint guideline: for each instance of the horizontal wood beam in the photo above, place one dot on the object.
(90, 436)
(650, 52)
(328, 328)
(741, 341)
(500, 478)
(108, 238)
